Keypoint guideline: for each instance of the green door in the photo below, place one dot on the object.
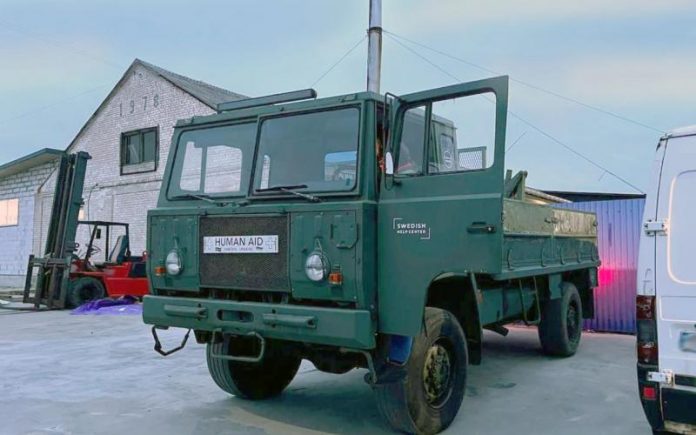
(441, 211)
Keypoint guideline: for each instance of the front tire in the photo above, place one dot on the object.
(253, 381)
(83, 290)
(431, 388)
(560, 328)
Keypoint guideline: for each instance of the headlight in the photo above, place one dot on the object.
(316, 267)
(173, 263)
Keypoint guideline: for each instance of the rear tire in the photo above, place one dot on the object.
(560, 329)
(253, 381)
(83, 290)
(431, 386)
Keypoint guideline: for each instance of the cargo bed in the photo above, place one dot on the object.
(542, 237)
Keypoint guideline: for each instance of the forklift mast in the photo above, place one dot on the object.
(52, 279)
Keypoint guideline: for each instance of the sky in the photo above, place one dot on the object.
(632, 58)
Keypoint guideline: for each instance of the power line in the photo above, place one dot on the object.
(48, 106)
(321, 77)
(532, 86)
(515, 142)
(577, 153)
(524, 121)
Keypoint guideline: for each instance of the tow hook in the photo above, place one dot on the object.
(158, 345)
(246, 359)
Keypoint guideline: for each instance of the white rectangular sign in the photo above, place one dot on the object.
(240, 245)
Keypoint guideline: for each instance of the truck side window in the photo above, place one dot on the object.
(412, 143)
(462, 134)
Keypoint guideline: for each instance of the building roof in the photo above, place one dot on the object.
(206, 93)
(29, 161)
(594, 196)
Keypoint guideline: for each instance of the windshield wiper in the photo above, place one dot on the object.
(211, 200)
(291, 189)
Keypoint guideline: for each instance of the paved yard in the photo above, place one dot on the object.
(98, 375)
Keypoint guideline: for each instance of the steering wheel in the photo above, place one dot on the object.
(94, 249)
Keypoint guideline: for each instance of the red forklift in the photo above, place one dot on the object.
(98, 272)
(68, 276)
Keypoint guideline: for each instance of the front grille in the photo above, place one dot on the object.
(245, 271)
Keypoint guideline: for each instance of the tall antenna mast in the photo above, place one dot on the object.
(374, 46)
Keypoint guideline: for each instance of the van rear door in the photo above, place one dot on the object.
(675, 260)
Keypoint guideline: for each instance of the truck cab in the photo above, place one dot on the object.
(361, 231)
(666, 300)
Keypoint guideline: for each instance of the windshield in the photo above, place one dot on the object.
(314, 152)
(213, 161)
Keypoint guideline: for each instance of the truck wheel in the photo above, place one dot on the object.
(83, 290)
(561, 323)
(429, 394)
(253, 381)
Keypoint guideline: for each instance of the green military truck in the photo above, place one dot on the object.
(361, 231)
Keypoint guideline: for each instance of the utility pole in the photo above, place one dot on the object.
(374, 46)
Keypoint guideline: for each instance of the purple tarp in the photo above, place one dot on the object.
(125, 305)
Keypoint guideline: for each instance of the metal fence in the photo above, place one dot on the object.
(618, 234)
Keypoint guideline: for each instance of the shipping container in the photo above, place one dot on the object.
(618, 233)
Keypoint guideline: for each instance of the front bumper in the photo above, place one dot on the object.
(329, 326)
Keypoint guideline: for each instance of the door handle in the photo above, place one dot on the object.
(481, 228)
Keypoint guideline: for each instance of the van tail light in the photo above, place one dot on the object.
(645, 307)
(646, 334)
(647, 352)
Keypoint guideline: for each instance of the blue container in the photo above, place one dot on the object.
(618, 235)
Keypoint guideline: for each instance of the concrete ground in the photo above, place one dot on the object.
(64, 374)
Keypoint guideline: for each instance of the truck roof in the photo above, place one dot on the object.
(270, 109)
(689, 130)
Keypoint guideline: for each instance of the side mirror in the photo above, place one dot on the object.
(389, 163)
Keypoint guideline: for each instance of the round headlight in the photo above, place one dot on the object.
(316, 267)
(173, 263)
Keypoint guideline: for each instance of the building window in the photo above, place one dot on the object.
(9, 212)
(139, 151)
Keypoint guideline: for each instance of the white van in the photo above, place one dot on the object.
(666, 300)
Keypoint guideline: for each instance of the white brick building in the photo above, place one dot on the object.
(19, 184)
(128, 138)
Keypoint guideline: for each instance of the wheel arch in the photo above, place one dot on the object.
(456, 293)
(585, 280)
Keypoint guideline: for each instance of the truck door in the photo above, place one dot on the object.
(441, 210)
(675, 268)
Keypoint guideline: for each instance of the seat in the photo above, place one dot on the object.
(120, 250)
